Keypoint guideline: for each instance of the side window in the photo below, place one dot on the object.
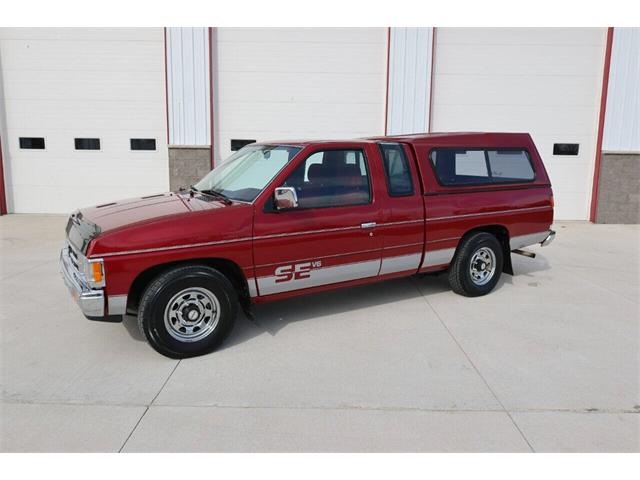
(396, 169)
(331, 178)
(510, 166)
(460, 167)
(481, 167)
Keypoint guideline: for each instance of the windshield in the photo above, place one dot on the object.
(247, 172)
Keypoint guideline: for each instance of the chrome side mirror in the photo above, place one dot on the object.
(285, 198)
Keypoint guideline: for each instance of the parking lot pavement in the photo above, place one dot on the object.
(549, 361)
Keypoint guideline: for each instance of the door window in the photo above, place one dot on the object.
(331, 178)
(396, 169)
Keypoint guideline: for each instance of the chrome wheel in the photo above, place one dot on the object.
(192, 314)
(482, 266)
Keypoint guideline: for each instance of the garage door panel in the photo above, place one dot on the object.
(352, 87)
(36, 115)
(299, 83)
(62, 84)
(570, 205)
(520, 36)
(83, 85)
(79, 34)
(338, 36)
(546, 82)
(569, 120)
(517, 90)
(517, 59)
(64, 172)
(309, 116)
(90, 55)
(310, 57)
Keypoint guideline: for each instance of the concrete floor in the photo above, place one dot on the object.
(548, 362)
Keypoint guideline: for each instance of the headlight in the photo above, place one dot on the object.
(93, 271)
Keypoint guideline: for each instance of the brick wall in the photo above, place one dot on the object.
(187, 165)
(619, 189)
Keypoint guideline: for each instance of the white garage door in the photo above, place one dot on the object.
(63, 84)
(278, 84)
(543, 81)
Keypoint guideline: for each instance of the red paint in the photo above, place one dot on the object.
(433, 56)
(603, 108)
(386, 95)
(211, 103)
(166, 83)
(3, 197)
(139, 234)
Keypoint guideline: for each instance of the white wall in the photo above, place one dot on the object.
(290, 83)
(622, 119)
(409, 80)
(66, 83)
(188, 86)
(543, 81)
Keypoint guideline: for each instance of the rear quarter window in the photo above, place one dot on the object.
(455, 167)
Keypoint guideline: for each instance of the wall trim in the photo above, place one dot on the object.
(603, 108)
(211, 111)
(433, 56)
(3, 197)
(386, 96)
(166, 84)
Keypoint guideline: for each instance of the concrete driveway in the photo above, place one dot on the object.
(548, 362)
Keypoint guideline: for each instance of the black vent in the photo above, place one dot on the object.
(237, 144)
(566, 148)
(87, 143)
(143, 144)
(32, 143)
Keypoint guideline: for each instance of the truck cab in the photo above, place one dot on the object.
(287, 218)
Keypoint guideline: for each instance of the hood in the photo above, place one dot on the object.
(124, 213)
(162, 220)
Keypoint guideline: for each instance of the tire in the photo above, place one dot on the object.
(187, 311)
(485, 251)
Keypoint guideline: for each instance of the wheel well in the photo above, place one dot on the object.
(502, 234)
(228, 268)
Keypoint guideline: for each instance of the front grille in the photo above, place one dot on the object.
(73, 256)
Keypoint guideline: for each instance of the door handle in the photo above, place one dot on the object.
(368, 225)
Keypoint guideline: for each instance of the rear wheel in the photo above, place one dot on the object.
(187, 311)
(477, 266)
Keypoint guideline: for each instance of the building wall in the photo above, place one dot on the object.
(187, 165)
(410, 51)
(619, 182)
(543, 81)
(188, 86)
(292, 83)
(60, 84)
(622, 119)
(619, 192)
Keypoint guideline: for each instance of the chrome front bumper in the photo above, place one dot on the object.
(91, 302)
(549, 238)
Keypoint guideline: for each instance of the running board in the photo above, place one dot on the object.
(524, 253)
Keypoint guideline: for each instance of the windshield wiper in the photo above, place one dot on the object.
(213, 193)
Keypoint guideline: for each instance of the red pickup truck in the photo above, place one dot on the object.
(279, 219)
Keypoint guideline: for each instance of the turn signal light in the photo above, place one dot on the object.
(96, 270)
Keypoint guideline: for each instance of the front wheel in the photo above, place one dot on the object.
(187, 311)
(477, 266)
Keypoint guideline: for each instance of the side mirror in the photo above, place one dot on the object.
(285, 198)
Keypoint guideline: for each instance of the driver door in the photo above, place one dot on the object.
(330, 237)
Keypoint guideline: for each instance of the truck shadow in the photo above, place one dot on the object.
(272, 317)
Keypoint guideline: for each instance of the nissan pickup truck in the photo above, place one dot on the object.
(279, 219)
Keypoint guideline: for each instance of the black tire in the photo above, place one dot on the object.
(165, 288)
(460, 277)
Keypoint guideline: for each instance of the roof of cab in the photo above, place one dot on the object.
(416, 138)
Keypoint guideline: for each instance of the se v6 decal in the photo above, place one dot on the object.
(298, 271)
